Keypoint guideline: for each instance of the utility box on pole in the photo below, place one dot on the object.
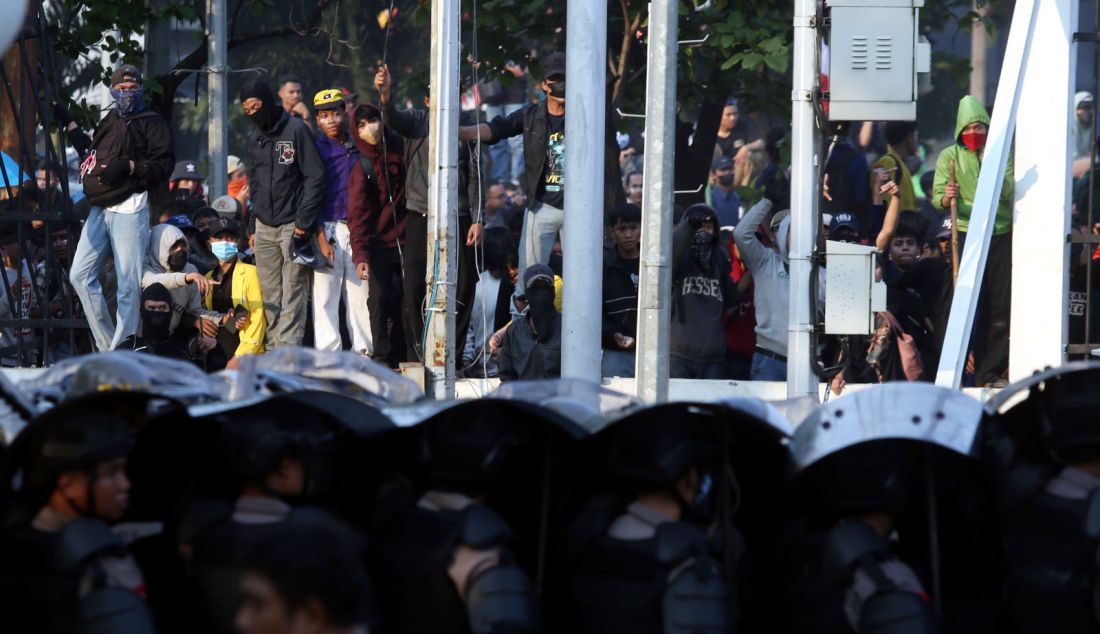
(875, 53)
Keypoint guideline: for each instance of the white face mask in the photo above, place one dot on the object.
(372, 132)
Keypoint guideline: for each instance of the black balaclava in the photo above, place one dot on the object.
(541, 307)
(702, 248)
(270, 112)
(156, 326)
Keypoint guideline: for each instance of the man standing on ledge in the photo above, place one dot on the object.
(287, 180)
(543, 128)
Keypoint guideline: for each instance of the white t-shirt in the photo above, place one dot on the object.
(132, 205)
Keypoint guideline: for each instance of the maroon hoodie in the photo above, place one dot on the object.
(373, 221)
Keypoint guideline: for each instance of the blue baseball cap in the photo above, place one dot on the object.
(181, 221)
(844, 219)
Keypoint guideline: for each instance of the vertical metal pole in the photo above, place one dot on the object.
(979, 53)
(972, 265)
(801, 380)
(1044, 144)
(442, 199)
(218, 112)
(654, 292)
(585, 98)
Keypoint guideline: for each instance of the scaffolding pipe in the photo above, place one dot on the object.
(801, 380)
(442, 199)
(654, 286)
(217, 80)
(586, 97)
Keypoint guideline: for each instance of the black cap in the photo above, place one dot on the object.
(843, 219)
(367, 111)
(125, 73)
(186, 169)
(224, 225)
(554, 65)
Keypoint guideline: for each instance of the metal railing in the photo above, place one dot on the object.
(39, 227)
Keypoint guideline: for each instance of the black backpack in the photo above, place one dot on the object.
(111, 141)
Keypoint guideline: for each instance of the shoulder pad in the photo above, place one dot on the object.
(82, 539)
(500, 599)
(113, 611)
(846, 544)
(677, 541)
(482, 528)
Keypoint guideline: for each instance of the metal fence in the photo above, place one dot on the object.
(39, 224)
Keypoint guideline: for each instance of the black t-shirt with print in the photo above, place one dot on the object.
(552, 184)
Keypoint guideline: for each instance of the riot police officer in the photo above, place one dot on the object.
(640, 560)
(65, 570)
(1045, 453)
(442, 561)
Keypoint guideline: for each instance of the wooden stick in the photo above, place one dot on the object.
(954, 231)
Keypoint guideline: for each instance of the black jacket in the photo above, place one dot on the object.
(620, 299)
(413, 124)
(701, 295)
(523, 357)
(145, 138)
(286, 175)
(533, 122)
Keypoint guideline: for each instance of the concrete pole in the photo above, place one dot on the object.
(442, 199)
(801, 380)
(585, 98)
(654, 286)
(979, 52)
(1002, 124)
(1044, 144)
(217, 89)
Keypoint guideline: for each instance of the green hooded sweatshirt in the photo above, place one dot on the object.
(967, 166)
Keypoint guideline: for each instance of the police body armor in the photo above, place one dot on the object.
(415, 547)
(89, 549)
(1052, 567)
(855, 553)
(669, 584)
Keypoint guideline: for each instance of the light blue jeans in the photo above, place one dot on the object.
(541, 225)
(126, 236)
(507, 154)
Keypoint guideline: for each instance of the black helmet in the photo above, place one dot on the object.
(1068, 407)
(467, 452)
(649, 448)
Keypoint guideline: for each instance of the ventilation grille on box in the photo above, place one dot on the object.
(884, 53)
(859, 52)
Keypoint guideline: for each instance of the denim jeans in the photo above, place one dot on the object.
(618, 363)
(284, 285)
(126, 236)
(541, 226)
(768, 369)
(507, 155)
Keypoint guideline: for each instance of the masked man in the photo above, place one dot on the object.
(129, 154)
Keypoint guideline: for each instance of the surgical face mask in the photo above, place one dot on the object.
(224, 250)
(129, 101)
(725, 180)
(371, 132)
(557, 88)
(973, 141)
(177, 260)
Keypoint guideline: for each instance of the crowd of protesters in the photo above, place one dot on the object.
(322, 238)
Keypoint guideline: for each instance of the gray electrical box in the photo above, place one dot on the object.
(853, 294)
(874, 56)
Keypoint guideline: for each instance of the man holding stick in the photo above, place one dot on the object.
(956, 182)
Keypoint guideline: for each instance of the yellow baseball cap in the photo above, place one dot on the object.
(328, 99)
